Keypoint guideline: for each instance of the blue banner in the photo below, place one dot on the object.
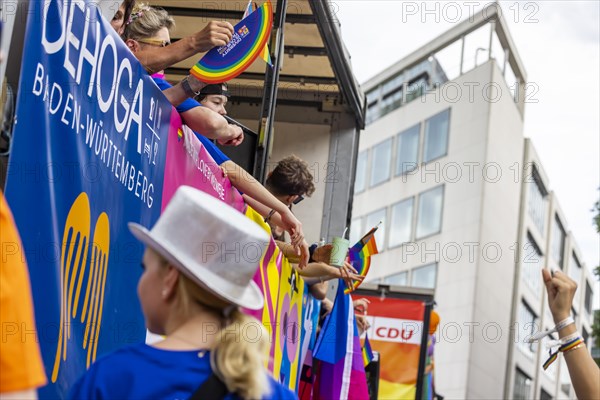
(88, 156)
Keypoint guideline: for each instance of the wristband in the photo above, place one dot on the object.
(573, 344)
(187, 88)
(562, 324)
(560, 342)
(579, 346)
(268, 217)
(311, 251)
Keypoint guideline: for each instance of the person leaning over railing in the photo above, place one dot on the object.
(585, 374)
(150, 26)
(289, 182)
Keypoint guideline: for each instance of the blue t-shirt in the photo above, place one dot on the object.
(145, 372)
(187, 105)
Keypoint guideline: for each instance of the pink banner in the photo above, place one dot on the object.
(188, 163)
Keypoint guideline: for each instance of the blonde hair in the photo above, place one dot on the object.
(146, 21)
(237, 359)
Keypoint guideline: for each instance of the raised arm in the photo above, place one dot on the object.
(216, 33)
(585, 374)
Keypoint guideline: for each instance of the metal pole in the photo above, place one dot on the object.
(423, 351)
(270, 93)
(462, 54)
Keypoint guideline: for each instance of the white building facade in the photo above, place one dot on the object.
(466, 209)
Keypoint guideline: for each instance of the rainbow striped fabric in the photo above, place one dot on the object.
(367, 351)
(360, 254)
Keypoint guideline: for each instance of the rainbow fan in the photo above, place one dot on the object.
(250, 37)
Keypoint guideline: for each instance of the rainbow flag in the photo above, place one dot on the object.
(367, 352)
(265, 54)
(360, 254)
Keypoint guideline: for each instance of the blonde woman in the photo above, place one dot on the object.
(149, 27)
(198, 266)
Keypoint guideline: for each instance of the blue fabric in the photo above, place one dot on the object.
(183, 107)
(187, 105)
(146, 372)
(332, 343)
(212, 149)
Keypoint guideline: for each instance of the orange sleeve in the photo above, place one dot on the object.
(20, 359)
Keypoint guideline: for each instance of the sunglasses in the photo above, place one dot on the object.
(155, 42)
(298, 199)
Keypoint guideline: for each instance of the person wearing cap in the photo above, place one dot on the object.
(191, 291)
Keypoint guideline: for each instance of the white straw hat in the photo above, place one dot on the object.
(212, 243)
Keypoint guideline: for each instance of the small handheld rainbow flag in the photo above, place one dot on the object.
(360, 254)
(367, 351)
(266, 54)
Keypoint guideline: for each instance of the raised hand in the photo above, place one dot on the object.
(214, 34)
(561, 290)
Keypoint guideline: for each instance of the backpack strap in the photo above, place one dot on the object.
(211, 389)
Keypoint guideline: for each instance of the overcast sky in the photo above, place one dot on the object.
(558, 42)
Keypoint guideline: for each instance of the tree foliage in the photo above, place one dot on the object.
(596, 325)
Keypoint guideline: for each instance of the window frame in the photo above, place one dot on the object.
(536, 181)
(414, 270)
(416, 228)
(412, 227)
(519, 371)
(524, 264)
(561, 229)
(366, 175)
(527, 348)
(423, 160)
(419, 126)
(372, 160)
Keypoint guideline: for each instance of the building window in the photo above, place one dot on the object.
(565, 379)
(575, 269)
(436, 136)
(424, 276)
(522, 389)
(575, 274)
(585, 335)
(558, 242)
(429, 218)
(552, 370)
(526, 327)
(399, 279)
(401, 224)
(532, 265)
(407, 150)
(588, 297)
(391, 102)
(537, 201)
(356, 230)
(545, 395)
(382, 157)
(360, 183)
(372, 220)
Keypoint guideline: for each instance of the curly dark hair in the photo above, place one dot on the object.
(291, 177)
